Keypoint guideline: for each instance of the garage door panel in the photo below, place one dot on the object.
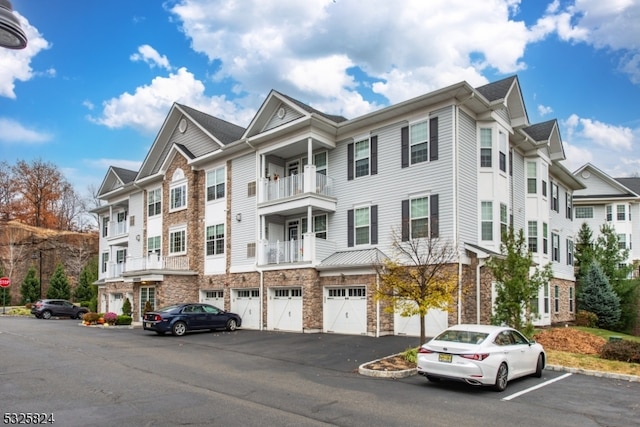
(345, 310)
(285, 309)
(246, 303)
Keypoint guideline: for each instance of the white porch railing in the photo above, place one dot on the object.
(309, 249)
(152, 262)
(293, 185)
(117, 229)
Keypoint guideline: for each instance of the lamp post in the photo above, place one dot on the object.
(11, 34)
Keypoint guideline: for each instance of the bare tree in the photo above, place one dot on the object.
(39, 186)
(419, 277)
(6, 192)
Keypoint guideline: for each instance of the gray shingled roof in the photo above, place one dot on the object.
(125, 175)
(631, 183)
(334, 118)
(224, 131)
(540, 131)
(355, 258)
(496, 90)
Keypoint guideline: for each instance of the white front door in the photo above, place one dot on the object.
(115, 302)
(345, 310)
(246, 303)
(285, 309)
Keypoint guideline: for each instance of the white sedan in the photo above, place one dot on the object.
(480, 355)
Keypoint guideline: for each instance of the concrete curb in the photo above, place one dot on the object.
(409, 372)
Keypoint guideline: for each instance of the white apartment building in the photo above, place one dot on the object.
(282, 221)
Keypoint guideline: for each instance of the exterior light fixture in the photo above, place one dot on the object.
(11, 35)
(238, 217)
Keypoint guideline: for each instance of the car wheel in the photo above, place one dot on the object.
(231, 325)
(539, 366)
(433, 379)
(501, 378)
(46, 314)
(179, 329)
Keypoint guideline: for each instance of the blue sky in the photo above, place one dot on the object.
(98, 78)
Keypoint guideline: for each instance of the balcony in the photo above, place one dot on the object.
(295, 192)
(153, 263)
(309, 250)
(118, 229)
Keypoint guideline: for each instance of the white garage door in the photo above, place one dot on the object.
(345, 310)
(246, 303)
(285, 309)
(115, 302)
(215, 298)
(435, 322)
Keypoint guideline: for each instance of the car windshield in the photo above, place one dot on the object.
(462, 336)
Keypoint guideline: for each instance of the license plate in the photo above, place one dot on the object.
(444, 357)
(148, 325)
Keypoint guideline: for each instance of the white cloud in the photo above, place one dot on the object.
(13, 132)
(16, 64)
(151, 56)
(305, 48)
(543, 110)
(147, 108)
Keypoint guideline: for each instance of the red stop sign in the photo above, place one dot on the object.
(5, 282)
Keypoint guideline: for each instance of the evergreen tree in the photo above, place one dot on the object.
(126, 307)
(30, 288)
(598, 297)
(59, 284)
(585, 252)
(610, 257)
(515, 285)
(86, 290)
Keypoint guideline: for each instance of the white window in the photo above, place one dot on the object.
(609, 213)
(569, 252)
(486, 209)
(153, 245)
(362, 157)
(418, 142)
(419, 213)
(621, 212)
(622, 241)
(154, 202)
(215, 184)
(215, 239)
(485, 147)
(555, 247)
(178, 241)
(320, 160)
(533, 236)
(555, 204)
(178, 197)
(105, 261)
(319, 225)
(503, 220)
(532, 178)
(584, 211)
(502, 139)
(362, 225)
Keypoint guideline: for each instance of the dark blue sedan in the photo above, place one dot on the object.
(182, 318)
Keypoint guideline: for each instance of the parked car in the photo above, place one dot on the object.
(182, 318)
(480, 355)
(47, 308)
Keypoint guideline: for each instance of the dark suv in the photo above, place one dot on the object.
(46, 308)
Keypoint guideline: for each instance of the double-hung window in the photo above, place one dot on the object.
(622, 241)
(569, 199)
(545, 238)
(319, 226)
(609, 213)
(486, 209)
(533, 236)
(502, 137)
(555, 247)
(178, 241)
(569, 252)
(362, 157)
(503, 220)
(105, 261)
(215, 239)
(555, 204)
(532, 178)
(362, 224)
(153, 245)
(215, 184)
(621, 212)
(178, 197)
(485, 147)
(419, 212)
(154, 202)
(419, 142)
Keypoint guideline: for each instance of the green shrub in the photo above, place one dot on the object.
(124, 320)
(586, 318)
(411, 355)
(622, 350)
(126, 307)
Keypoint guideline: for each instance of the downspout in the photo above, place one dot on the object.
(478, 267)
(377, 307)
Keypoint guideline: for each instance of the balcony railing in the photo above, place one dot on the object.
(151, 262)
(293, 185)
(117, 229)
(310, 250)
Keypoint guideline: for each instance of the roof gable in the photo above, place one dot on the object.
(116, 178)
(600, 185)
(547, 133)
(507, 92)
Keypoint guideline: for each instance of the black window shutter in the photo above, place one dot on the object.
(404, 146)
(350, 162)
(405, 220)
(374, 224)
(435, 226)
(374, 155)
(350, 230)
(433, 139)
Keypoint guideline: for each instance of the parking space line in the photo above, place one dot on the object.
(520, 393)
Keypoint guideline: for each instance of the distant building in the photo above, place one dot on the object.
(282, 221)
